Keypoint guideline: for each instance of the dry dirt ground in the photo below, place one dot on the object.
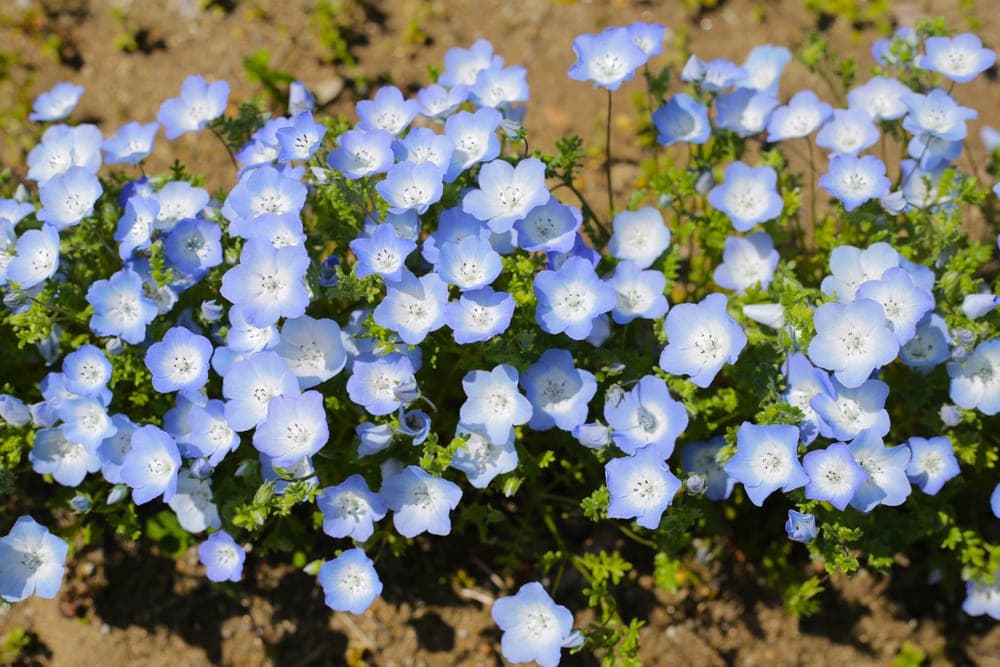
(125, 605)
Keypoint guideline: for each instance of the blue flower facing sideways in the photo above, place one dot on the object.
(222, 557)
(32, 561)
(800, 527)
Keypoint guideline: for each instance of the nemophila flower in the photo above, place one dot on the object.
(903, 303)
(932, 152)
(177, 201)
(558, 391)
(995, 501)
(373, 438)
(570, 298)
(764, 66)
(701, 338)
(199, 103)
(748, 195)
(800, 527)
(799, 118)
(747, 262)
(121, 307)
(852, 266)
(131, 144)
(713, 76)
(766, 460)
(67, 461)
(930, 345)
(462, 66)
(848, 133)
(479, 315)
(493, 404)
(960, 58)
(698, 458)
(608, 58)
(550, 227)
(852, 340)
(13, 411)
(301, 139)
(62, 148)
(534, 627)
(834, 475)
(900, 49)
(975, 384)
(975, 306)
(648, 37)
(640, 236)
(482, 459)
(180, 361)
(268, 282)
(424, 145)
(373, 382)
(13, 211)
(500, 87)
(312, 349)
(222, 557)
(415, 424)
(36, 259)
(413, 307)
(938, 114)
(881, 98)
(771, 315)
(922, 186)
(983, 598)
(745, 111)
(469, 264)
(250, 385)
(86, 421)
(361, 153)
(56, 103)
(32, 561)
(383, 253)
(243, 337)
(295, 427)
(990, 137)
(410, 186)
(646, 416)
(350, 582)
(886, 483)
(112, 450)
(151, 465)
(407, 224)
(580, 249)
(932, 463)
(855, 180)
(387, 111)
(262, 190)
(639, 293)
(299, 98)
(641, 486)
(506, 193)
(193, 503)
(475, 139)
(210, 435)
(281, 230)
(437, 102)
(135, 227)
(420, 502)
(302, 470)
(350, 509)
(805, 382)
(682, 119)
(68, 198)
(194, 246)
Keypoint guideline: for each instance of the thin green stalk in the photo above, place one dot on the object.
(607, 160)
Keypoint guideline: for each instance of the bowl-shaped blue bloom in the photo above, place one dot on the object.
(645, 416)
(222, 557)
(641, 487)
(800, 527)
(559, 392)
(852, 340)
(748, 195)
(350, 582)
(32, 561)
(682, 119)
(608, 58)
(151, 465)
(420, 502)
(199, 103)
(834, 475)
(493, 404)
(350, 509)
(57, 103)
(960, 58)
(766, 460)
(570, 298)
(932, 463)
(886, 483)
(701, 339)
(534, 627)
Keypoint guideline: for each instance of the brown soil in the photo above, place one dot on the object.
(124, 605)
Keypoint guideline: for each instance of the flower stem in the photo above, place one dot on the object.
(229, 151)
(607, 160)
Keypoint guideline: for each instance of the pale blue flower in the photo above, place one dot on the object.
(32, 561)
(420, 502)
(766, 460)
(834, 475)
(748, 195)
(852, 340)
(701, 338)
(534, 627)
(222, 557)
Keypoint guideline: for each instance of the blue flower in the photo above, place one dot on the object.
(151, 465)
(493, 404)
(607, 59)
(639, 293)
(640, 236)
(178, 200)
(534, 627)
(983, 598)
(462, 66)
(745, 111)
(437, 102)
(409, 186)
(698, 458)
(350, 509)
(570, 298)
(881, 98)
(500, 87)
(851, 266)
(413, 307)
(373, 438)
(766, 460)
(243, 337)
(373, 382)
(682, 119)
(85, 421)
(222, 557)
(647, 415)
(748, 195)
(420, 502)
(361, 153)
(479, 315)
(701, 338)
(551, 227)
(764, 66)
(194, 246)
(975, 384)
(388, 111)
(886, 483)
(62, 148)
(932, 463)
(975, 306)
(199, 103)
(482, 459)
(559, 392)
(855, 180)
(350, 582)
(900, 50)
(69, 197)
(111, 451)
(312, 349)
(121, 307)
(800, 527)
(960, 59)
(299, 98)
(383, 252)
(850, 132)
(268, 282)
(131, 145)
(250, 385)
(845, 412)
(210, 434)
(193, 503)
(834, 475)
(852, 340)
(469, 264)
(475, 139)
(67, 461)
(301, 139)
(32, 561)
(295, 428)
(506, 194)
(648, 37)
(903, 302)
(263, 190)
(936, 113)
(57, 103)
(713, 76)
(424, 145)
(37, 257)
(135, 228)
(747, 262)
(13, 411)
(641, 486)
(803, 114)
